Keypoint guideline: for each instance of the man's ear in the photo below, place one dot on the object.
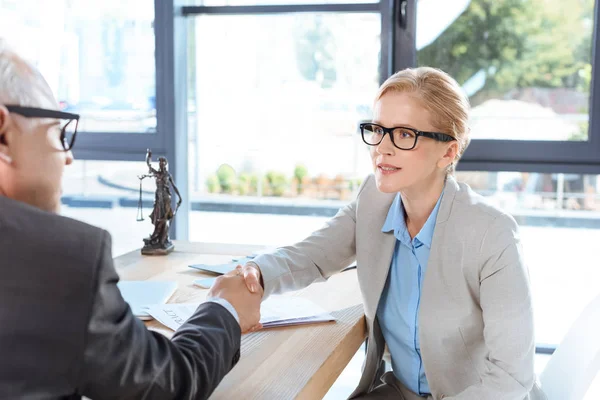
(4, 135)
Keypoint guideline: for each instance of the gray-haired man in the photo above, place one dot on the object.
(65, 331)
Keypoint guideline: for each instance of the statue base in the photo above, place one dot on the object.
(157, 249)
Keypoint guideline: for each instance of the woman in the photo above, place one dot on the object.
(441, 273)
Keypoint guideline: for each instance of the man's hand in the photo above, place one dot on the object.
(232, 288)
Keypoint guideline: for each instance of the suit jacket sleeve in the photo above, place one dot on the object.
(505, 299)
(123, 359)
(324, 253)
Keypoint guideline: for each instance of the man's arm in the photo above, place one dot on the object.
(124, 360)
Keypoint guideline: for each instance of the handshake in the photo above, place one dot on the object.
(242, 289)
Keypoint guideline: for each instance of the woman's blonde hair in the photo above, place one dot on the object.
(441, 95)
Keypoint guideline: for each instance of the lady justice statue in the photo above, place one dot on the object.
(162, 214)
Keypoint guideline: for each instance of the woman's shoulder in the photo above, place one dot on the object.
(476, 208)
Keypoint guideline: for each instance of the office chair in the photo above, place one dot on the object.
(576, 361)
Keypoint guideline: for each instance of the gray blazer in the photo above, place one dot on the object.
(475, 319)
(66, 332)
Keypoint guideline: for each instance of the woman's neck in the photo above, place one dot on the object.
(419, 202)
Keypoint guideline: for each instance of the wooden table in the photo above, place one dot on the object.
(281, 363)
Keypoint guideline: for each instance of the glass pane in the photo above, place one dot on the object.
(278, 101)
(526, 65)
(273, 2)
(106, 194)
(560, 212)
(98, 57)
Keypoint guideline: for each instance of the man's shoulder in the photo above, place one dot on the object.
(37, 229)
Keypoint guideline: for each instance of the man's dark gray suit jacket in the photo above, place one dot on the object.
(66, 332)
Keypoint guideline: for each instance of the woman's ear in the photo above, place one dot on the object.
(449, 156)
(4, 133)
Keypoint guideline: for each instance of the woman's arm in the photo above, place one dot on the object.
(505, 300)
(325, 252)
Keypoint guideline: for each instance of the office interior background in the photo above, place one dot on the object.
(256, 103)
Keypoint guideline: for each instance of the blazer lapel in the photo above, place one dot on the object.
(432, 283)
(437, 244)
(450, 191)
(438, 235)
(381, 260)
(376, 249)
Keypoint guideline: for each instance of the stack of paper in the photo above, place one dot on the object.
(139, 294)
(275, 311)
(221, 269)
(285, 310)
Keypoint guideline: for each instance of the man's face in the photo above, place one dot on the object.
(34, 175)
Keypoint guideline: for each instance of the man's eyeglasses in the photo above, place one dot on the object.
(69, 124)
(402, 137)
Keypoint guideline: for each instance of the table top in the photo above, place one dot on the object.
(300, 362)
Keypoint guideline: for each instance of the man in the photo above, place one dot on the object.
(65, 331)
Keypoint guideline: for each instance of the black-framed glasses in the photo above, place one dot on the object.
(402, 137)
(68, 129)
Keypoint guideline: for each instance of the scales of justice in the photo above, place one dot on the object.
(162, 213)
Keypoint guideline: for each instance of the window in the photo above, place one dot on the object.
(527, 69)
(98, 57)
(106, 194)
(277, 102)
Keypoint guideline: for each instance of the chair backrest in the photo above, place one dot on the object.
(575, 363)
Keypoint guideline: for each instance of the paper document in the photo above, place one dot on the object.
(221, 269)
(141, 293)
(172, 315)
(275, 311)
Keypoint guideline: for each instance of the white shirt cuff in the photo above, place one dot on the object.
(225, 304)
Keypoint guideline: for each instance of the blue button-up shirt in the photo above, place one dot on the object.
(398, 308)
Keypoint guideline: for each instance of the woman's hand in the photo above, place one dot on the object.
(252, 276)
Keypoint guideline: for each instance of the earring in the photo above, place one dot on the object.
(5, 158)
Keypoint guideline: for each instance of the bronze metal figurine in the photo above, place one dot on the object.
(162, 214)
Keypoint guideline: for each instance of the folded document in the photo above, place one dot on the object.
(275, 311)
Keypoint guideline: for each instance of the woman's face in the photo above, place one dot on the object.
(397, 170)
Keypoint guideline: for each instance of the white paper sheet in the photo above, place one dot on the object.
(275, 311)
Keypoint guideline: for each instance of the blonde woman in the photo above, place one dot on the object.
(443, 282)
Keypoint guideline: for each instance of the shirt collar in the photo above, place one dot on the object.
(395, 222)
(425, 236)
